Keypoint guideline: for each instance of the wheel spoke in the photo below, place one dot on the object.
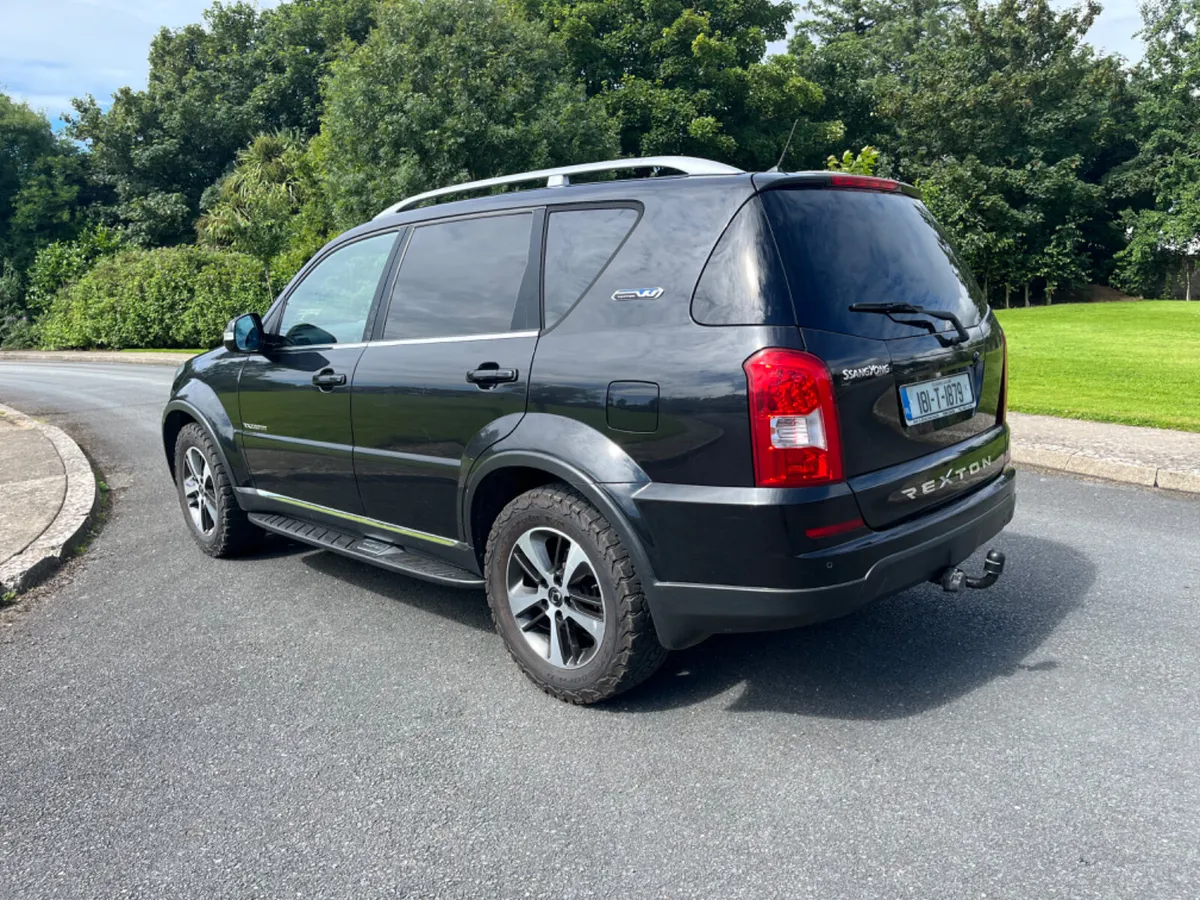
(527, 567)
(575, 560)
(189, 460)
(537, 555)
(522, 599)
(211, 508)
(590, 624)
(555, 654)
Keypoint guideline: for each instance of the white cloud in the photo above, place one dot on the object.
(53, 50)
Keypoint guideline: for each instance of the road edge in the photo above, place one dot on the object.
(163, 358)
(70, 526)
(1073, 462)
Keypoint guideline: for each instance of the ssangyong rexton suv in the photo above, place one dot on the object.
(638, 412)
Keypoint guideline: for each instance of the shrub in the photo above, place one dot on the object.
(169, 297)
(62, 262)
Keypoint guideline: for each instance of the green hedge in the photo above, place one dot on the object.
(170, 297)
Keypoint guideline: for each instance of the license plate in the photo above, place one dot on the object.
(934, 399)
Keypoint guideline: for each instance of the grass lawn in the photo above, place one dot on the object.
(1137, 363)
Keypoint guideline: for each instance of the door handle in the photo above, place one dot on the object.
(489, 375)
(327, 379)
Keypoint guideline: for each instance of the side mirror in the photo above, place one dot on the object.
(244, 334)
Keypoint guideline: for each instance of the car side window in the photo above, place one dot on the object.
(580, 243)
(460, 278)
(331, 304)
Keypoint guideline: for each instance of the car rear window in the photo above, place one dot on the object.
(841, 247)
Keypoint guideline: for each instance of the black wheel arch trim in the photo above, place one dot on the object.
(224, 438)
(613, 499)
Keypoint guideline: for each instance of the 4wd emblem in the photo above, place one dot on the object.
(638, 294)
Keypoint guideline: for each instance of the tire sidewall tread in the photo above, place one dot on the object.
(630, 652)
(235, 534)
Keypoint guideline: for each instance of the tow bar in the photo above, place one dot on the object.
(954, 579)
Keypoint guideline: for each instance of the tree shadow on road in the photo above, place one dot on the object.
(898, 657)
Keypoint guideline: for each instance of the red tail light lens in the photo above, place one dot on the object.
(793, 419)
(1002, 407)
(864, 182)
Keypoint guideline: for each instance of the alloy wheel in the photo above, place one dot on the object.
(555, 597)
(200, 491)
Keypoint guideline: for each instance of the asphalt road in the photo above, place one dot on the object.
(302, 725)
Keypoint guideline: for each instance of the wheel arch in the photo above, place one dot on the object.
(503, 475)
(179, 414)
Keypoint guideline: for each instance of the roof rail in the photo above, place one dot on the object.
(561, 176)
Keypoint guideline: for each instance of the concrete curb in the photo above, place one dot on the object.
(1076, 463)
(95, 356)
(80, 503)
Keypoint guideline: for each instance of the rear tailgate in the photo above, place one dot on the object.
(842, 247)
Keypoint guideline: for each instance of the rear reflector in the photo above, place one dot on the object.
(793, 419)
(840, 528)
(864, 182)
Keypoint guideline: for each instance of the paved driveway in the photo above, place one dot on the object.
(302, 725)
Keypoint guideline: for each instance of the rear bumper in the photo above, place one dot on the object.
(837, 579)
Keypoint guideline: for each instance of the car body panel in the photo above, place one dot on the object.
(297, 438)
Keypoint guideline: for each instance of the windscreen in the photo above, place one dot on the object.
(841, 247)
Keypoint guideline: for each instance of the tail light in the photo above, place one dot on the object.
(1002, 407)
(793, 419)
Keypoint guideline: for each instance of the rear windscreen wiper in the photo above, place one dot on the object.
(888, 309)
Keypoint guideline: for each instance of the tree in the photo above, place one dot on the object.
(445, 91)
(256, 208)
(863, 163)
(690, 77)
(41, 180)
(1167, 168)
(212, 87)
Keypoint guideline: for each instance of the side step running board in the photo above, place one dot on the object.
(369, 550)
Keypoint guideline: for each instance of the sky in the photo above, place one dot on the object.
(53, 50)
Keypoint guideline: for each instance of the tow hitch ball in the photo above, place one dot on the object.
(954, 578)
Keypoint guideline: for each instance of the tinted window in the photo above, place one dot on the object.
(841, 247)
(330, 305)
(460, 278)
(579, 244)
(743, 283)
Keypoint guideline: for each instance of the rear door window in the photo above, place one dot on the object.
(580, 243)
(841, 247)
(462, 278)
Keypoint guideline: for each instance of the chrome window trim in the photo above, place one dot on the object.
(495, 336)
(295, 347)
(498, 336)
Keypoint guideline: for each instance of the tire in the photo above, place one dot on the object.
(534, 541)
(222, 528)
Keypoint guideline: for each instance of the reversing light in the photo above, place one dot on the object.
(864, 182)
(793, 419)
